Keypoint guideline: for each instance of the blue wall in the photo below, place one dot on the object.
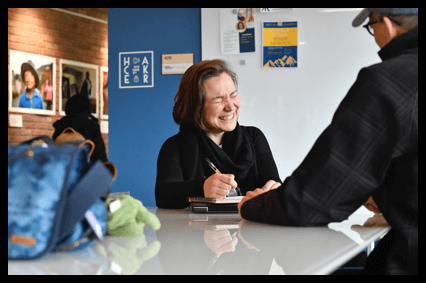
(140, 119)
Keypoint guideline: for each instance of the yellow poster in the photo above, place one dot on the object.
(279, 44)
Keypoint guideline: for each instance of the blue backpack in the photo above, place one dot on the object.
(55, 198)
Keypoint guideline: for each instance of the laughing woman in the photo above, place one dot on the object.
(207, 107)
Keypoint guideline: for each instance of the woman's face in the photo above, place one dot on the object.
(222, 105)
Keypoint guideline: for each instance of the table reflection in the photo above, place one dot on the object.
(226, 244)
(189, 243)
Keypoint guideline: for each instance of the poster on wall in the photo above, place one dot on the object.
(77, 78)
(279, 44)
(237, 31)
(104, 92)
(136, 69)
(32, 83)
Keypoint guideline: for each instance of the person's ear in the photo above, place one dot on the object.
(391, 31)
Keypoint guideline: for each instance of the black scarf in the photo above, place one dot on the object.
(236, 156)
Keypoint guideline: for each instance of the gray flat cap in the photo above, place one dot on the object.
(365, 13)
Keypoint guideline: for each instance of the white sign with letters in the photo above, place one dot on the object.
(136, 69)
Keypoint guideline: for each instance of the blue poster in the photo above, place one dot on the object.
(247, 41)
(136, 69)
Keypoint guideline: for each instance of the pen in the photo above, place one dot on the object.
(236, 190)
(212, 166)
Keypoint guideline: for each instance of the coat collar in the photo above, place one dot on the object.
(408, 40)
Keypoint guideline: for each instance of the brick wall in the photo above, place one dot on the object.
(60, 35)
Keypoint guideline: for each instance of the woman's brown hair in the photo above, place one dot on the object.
(190, 98)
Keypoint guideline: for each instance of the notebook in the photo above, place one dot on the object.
(236, 199)
(213, 205)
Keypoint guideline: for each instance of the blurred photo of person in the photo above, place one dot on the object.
(31, 98)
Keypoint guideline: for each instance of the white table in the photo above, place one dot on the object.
(190, 243)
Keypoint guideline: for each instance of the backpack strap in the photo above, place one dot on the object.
(90, 188)
(69, 134)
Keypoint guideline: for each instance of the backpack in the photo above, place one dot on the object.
(55, 198)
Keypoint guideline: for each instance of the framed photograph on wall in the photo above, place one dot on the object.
(104, 92)
(83, 79)
(32, 83)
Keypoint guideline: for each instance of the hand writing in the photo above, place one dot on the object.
(219, 185)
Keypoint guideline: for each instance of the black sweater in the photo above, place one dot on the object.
(182, 170)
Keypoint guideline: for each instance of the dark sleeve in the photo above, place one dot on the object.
(267, 169)
(56, 134)
(171, 188)
(100, 149)
(345, 165)
(92, 131)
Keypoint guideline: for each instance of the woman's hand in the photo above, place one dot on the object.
(219, 185)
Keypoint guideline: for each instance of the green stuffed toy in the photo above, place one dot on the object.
(130, 218)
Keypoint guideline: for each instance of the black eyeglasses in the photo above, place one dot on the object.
(371, 30)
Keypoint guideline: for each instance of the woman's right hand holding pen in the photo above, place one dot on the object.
(219, 185)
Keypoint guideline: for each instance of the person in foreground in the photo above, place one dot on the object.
(207, 108)
(369, 149)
